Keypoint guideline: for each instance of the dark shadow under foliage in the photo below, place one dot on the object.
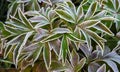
(3, 10)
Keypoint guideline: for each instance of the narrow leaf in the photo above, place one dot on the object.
(88, 24)
(61, 30)
(25, 20)
(80, 65)
(47, 55)
(64, 48)
(103, 28)
(102, 68)
(65, 15)
(112, 65)
(91, 11)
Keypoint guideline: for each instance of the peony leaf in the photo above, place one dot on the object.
(47, 55)
(75, 58)
(102, 68)
(51, 37)
(103, 28)
(32, 13)
(61, 30)
(91, 11)
(64, 49)
(88, 24)
(93, 67)
(112, 65)
(99, 40)
(17, 50)
(24, 19)
(17, 23)
(80, 13)
(57, 66)
(84, 2)
(73, 38)
(100, 14)
(80, 65)
(65, 15)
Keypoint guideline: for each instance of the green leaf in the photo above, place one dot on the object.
(102, 68)
(61, 31)
(37, 53)
(80, 65)
(112, 65)
(51, 37)
(13, 8)
(88, 40)
(103, 28)
(57, 66)
(80, 13)
(24, 19)
(20, 47)
(100, 14)
(72, 7)
(64, 48)
(32, 13)
(6, 61)
(47, 55)
(17, 23)
(75, 58)
(36, 5)
(91, 11)
(84, 2)
(47, 1)
(96, 38)
(8, 49)
(2, 26)
(65, 15)
(108, 18)
(73, 38)
(88, 24)
(12, 30)
(15, 40)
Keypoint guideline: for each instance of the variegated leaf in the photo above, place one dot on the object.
(91, 11)
(88, 24)
(47, 55)
(65, 15)
(80, 65)
(24, 19)
(102, 68)
(103, 28)
(64, 49)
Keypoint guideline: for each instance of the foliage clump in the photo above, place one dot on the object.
(58, 35)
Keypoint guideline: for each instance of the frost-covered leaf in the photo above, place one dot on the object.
(47, 55)
(61, 30)
(74, 58)
(65, 15)
(24, 19)
(57, 66)
(73, 38)
(32, 13)
(80, 13)
(80, 65)
(99, 40)
(64, 48)
(112, 65)
(102, 68)
(88, 24)
(103, 28)
(93, 67)
(91, 11)
(51, 38)
(18, 49)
